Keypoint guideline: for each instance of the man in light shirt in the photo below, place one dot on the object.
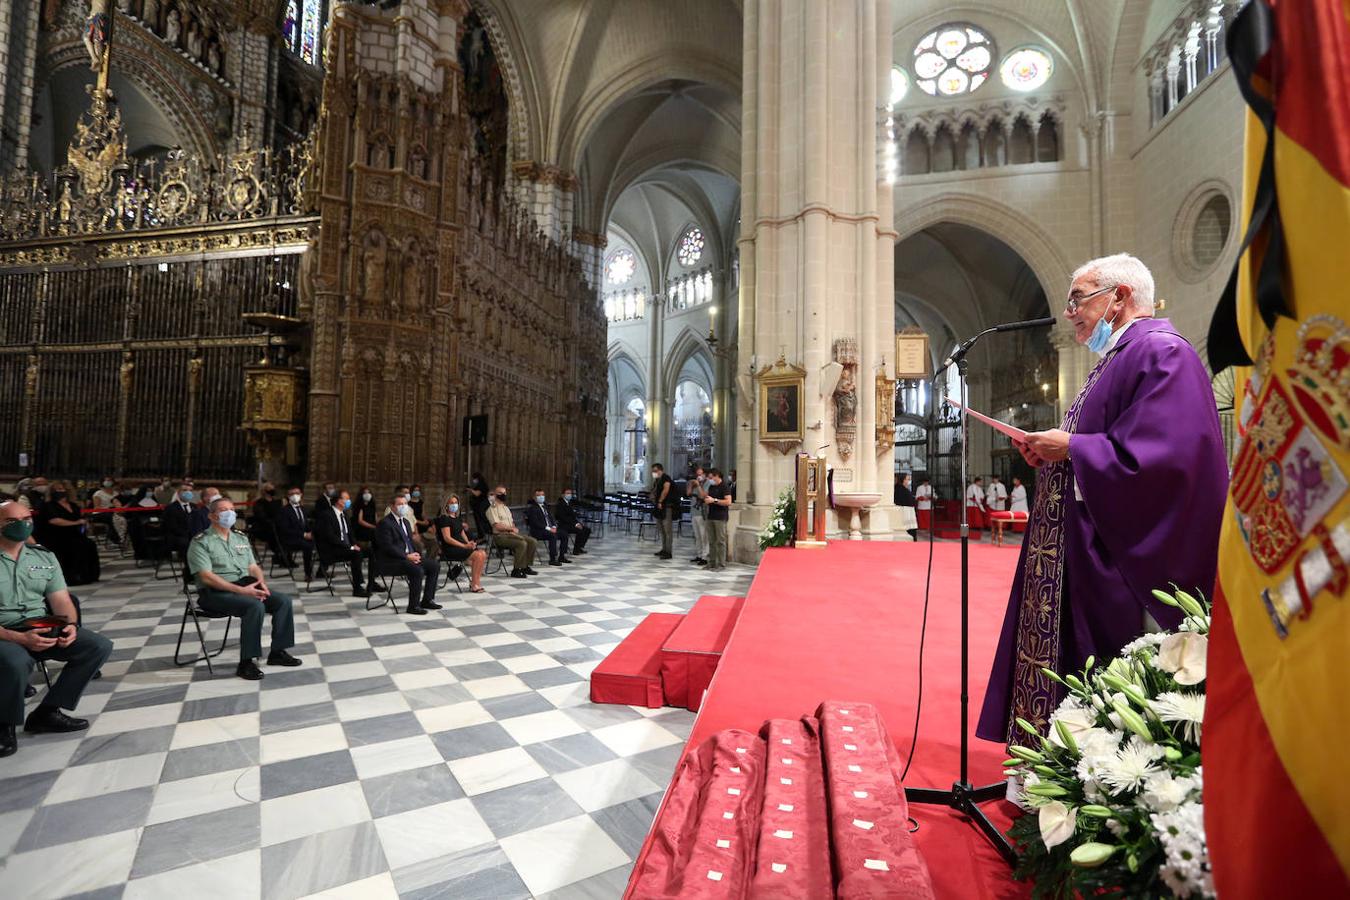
(997, 495)
(975, 507)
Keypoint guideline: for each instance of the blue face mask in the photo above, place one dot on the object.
(1101, 336)
(539, 500)
(186, 496)
(347, 504)
(417, 495)
(454, 508)
(227, 518)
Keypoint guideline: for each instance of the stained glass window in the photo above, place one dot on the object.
(899, 85)
(691, 247)
(290, 29)
(954, 59)
(621, 267)
(311, 32)
(1026, 69)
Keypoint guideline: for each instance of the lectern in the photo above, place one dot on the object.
(812, 500)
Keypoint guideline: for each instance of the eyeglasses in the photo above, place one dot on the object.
(1078, 298)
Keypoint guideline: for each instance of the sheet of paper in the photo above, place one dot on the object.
(1011, 431)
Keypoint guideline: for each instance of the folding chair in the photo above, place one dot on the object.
(451, 572)
(329, 568)
(191, 609)
(495, 550)
(387, 599)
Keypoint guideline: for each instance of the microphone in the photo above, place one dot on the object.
(1029, 323)
(959, 353)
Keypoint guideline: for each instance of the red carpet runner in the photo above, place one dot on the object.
(844, 622)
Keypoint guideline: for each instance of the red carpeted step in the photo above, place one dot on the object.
(691, 653)
(631, 674)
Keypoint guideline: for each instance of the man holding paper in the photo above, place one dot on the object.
(1129, 498)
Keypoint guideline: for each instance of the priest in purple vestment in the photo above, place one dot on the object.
(1129, 498)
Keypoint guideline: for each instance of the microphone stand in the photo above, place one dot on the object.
(963, 796)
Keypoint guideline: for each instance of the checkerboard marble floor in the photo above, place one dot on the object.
(453, 755)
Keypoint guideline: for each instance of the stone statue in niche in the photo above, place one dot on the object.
(393, 269)
(150, 14)
(213, 55)
(413, 283)
(124, 6)
(846, 396)
(192, 39)
(372, 268)
(173, 28)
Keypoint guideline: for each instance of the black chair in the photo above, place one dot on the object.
(329, 568)
(196, 613)
(388, 598)
(451, 572)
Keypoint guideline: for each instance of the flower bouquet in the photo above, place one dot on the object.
(779, 532)
(1114, 790)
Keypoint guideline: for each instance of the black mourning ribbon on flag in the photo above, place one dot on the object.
(1249, 40)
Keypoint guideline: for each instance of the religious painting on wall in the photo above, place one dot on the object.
(781, 417)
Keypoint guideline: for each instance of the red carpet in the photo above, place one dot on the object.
(842, 623)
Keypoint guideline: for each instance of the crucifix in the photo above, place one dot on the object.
(98, 29)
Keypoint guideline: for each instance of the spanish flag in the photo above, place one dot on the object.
(1276, 742)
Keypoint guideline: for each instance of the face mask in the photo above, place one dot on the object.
(295, 499)
(502, 496)
(347, 504)
(107, 484)
(539, 498)
(1101, 336)
(454, 508)
(269, 491)
(330, 493)
(417, 495)
(365, 497)
(567, 497)
(58, 495)
(227, 518)
(19, 530)
(398, 509)
(186, 496)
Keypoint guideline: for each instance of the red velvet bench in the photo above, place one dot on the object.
(631, 674)
(690, 655)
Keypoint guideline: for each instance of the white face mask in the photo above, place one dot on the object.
(365, 498)
(295, 499)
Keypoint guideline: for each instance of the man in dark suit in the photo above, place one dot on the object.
(295, 531)
(333, 539)
(543, 527)
(183, 520)
(568, 526)
(395, 554)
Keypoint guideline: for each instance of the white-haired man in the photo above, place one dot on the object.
(1129, 498)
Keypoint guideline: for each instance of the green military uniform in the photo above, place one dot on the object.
(26, 581)
(229, 557)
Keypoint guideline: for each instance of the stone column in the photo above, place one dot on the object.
(1075, 361)
(817, 241)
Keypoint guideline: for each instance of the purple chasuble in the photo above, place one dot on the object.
(1148, 457)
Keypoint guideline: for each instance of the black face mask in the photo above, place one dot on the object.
(58, 495)
(270, 491)
(502, 496)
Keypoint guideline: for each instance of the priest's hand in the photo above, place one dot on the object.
(1050, 446)
(1032, 458)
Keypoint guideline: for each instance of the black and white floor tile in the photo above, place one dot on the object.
(453, 755)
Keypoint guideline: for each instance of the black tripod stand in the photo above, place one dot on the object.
(963, 796)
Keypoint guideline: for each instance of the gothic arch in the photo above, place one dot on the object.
(1024, 236)
(522, 114)
(686, 347)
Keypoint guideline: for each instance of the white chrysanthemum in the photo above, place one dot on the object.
(1131, 764)
(1148, 641)
(1182, 833)
(1164, 792)
(1188, 709)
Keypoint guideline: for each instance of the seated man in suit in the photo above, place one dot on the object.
(569, 526)
(396, 554)
(295, 531)
(506, 534)
(231, 582)
(183, 520)
(30, 581)
(334, 540)
(543, 527)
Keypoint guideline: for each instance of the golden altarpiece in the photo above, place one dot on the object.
(330, 312)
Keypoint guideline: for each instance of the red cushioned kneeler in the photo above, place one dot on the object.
(690, 655)
(631, 674)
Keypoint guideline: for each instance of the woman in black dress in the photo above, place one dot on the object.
(364, 515)
(478, 503)
(456, 546)
(62, 528)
